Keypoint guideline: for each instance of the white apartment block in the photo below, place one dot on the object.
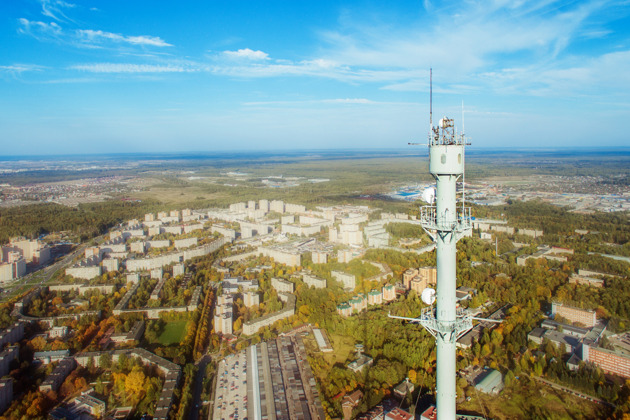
(294, 208)
(192, 228)
(110, 264)
(347, 255)
(178, 270)
(287, 257)
(164, 243)
(348, 280)
(314, 281)
(282, 285)
(175, 230)
(138, 247)
(185, 243)
(251, 299)
(12, 270)
(238, 207)
(133, 277)
(277, 206)
(319, 257)
(288, 219)
(157, 273)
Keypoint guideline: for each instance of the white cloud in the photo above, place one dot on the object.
(349, 101)
(85, 37)
(39, 30)
(475, 38)
(20, 68)
(54, 9)
(247, 54)
(92, 36)
(506, 47)
(341, 101)
(130, 68)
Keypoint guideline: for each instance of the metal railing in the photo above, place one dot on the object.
(460, 220)
(454, 329)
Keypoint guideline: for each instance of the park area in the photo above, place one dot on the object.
(173, 332)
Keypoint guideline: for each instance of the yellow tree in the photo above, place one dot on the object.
(412, 375)
(134, 383)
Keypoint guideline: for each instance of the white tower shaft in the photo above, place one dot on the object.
(446, 223)
(445, 302)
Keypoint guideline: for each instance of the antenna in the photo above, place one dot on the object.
(463, 127)
(431, 100)
(463, 161)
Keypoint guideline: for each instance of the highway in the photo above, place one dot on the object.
(41, 276)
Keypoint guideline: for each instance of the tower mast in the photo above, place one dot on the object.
(446, 223)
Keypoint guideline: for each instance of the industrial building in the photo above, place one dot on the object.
(271, 380)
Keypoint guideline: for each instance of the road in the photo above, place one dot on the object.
(198, 388)
(572, 391)
(40, 277)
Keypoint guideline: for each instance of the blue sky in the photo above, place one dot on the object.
(101, 76)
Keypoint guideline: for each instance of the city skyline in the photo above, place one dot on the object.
(131, 77)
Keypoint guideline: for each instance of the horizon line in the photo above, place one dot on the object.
(205, 153)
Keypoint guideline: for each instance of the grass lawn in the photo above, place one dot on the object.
(342, 346)
(173, 332)
(534, 401)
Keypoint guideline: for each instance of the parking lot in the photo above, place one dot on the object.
(231, 393)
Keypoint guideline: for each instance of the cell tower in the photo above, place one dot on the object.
(446, 223)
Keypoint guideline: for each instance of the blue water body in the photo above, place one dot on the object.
(407, 194)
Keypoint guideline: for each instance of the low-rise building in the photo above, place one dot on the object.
(491, 383)
(47, 357)
(585, 317)
(88, 404)
(134, 334)
(409, 275)
(586, 280)
(53, 381)
(251, 327)
(398, 414)
(358, 303)
(616, 362)
(350, 402)
(58, 332)
(344, 309)
(231, 285)
(375, 297)
(389, 292)
(534, 233)
(550, 253)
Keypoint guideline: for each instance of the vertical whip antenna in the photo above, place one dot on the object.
(463, 127)
(431, 100)
(463, 157)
